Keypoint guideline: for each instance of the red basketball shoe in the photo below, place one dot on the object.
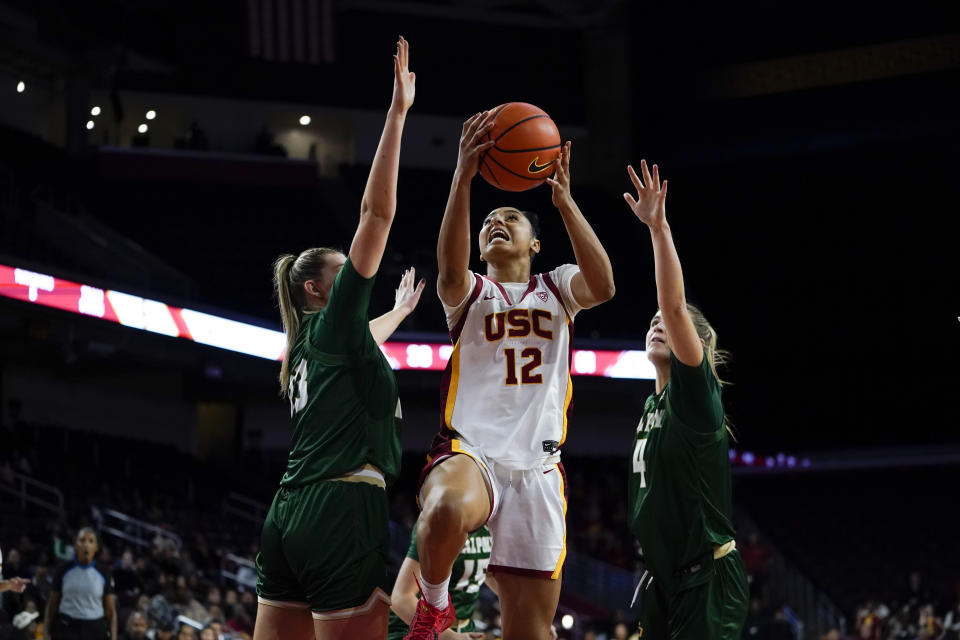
(429, 622)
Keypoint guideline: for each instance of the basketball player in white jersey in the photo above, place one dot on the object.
(506, 392)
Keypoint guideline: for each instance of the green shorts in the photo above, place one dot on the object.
(325, 546)
(715, 610)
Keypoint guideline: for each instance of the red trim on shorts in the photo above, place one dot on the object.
(497, 568)
(440, 449)
(563, 474)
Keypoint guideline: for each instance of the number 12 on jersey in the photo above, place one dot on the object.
(527, 376)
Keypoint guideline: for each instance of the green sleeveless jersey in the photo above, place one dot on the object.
(469, 572)
(343, 394)
(679, 485)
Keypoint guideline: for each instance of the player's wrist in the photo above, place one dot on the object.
(462, 177)
(658, 228)
(397, 112)
(566, 205)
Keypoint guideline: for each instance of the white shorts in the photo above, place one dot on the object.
(527, 512)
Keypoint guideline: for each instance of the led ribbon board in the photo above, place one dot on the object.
(158, 317)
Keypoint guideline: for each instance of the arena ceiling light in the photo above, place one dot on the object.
(304, 120)
(90, 124)
(143, 128)
(95, 111)
(151, 114)
(158, 317)
(21, 87)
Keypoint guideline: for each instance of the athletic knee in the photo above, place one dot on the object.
(444, 510)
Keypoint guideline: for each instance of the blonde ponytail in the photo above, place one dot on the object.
(290, 313)
(717, 357)
(289, 275)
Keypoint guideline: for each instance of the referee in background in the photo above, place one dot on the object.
(82, 604)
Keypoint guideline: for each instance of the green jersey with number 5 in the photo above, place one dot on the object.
(469, 572)
(343, 394)
(679, 484)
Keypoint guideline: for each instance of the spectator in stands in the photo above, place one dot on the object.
(82, 602)
(207, 633)
(216, 615)
(780, 628)
(620, 631)
(930, 626)
(756, 560)
(128, 584)
(136, 628)
(217, 625)
(185, 604)
(213, 598)
(240, 620)
(164, 630)
(186, 632)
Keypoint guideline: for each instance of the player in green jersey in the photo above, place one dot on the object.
(469, 573)
(324, 545)
(679, 487)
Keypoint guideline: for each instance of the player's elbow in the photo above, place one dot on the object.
(607, 292)
(381, 211)
(602, 292)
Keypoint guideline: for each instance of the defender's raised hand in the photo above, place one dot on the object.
(408, 295)
(404, 80)
(649, 205)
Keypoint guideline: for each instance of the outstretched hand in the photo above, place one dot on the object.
(404, 80)
(650, 204)
(407, 295)
(472, 145)
(560, 180)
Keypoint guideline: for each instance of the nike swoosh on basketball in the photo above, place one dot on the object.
(537, 168)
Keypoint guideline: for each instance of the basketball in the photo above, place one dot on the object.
(527, 144)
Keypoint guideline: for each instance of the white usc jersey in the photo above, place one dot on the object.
(507, 386)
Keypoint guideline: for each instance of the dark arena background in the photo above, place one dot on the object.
(156, 157)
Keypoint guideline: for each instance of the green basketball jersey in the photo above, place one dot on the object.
(469, 572)
(679, 485)
(343, 393)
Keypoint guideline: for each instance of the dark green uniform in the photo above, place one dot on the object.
(469, 572)
(325, 542)
(680, 501)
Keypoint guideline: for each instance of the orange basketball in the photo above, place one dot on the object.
(527, 144)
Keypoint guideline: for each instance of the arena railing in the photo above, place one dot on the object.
(135, 531)
(26, 489)
(245, 574)
(245, 508)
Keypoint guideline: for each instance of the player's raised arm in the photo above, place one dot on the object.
(453, 247)
(405, 301)
(594, 284)
(380, 195)
(650, 207)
